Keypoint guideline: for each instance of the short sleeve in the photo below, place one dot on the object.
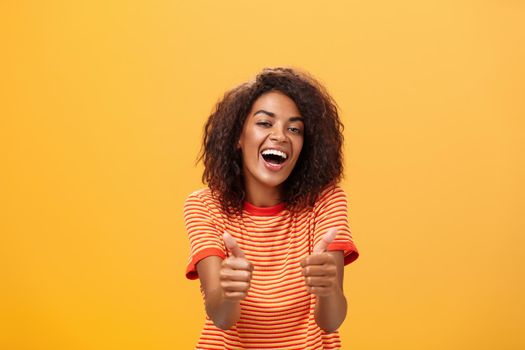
(331, 210)
(203, 231)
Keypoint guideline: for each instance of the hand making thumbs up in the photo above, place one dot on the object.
(236, 271)
(319, 269)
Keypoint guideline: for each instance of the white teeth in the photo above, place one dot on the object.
(274, 152)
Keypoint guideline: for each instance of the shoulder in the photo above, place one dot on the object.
(202, 198)
(330, 195)
(199, 194)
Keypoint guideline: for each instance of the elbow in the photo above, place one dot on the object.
(221, 324)
(224, 316)
(221, 321)
(331, 323)
(329, 329)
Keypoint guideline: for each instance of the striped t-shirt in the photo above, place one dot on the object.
(277, 313)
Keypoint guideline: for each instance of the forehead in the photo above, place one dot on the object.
(277, 103)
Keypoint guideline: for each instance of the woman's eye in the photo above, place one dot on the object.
(295, 130)
(264, 123)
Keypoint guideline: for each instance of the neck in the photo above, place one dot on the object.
(262, 196)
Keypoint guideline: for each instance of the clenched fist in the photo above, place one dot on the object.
(236, 271)
(320, 270)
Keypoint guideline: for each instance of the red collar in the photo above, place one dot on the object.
(263, 211)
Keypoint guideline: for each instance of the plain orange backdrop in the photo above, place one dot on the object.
(102, 109)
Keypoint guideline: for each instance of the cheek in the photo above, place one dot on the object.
(254, 139)
(250, 147)
(299, 147)
(246, 141)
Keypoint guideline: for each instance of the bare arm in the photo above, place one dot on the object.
(323, 272)
(225, 283)
(330, 309)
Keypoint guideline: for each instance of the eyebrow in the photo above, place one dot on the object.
(271, 114)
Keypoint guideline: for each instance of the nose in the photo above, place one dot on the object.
(277, 135)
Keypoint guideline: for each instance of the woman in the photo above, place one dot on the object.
(269, 237)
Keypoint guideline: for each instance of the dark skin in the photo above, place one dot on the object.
(227, 282)
(273, 122)
(323, 272)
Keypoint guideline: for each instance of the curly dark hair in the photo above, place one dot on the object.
(320, 163)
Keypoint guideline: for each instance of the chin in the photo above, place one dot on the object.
(273, 181)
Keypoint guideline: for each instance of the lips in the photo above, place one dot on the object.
(272, 166)
(274, 153)
(274, 158)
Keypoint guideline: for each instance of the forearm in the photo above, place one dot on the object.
(223, 312)
(225, 283)
(330, 311)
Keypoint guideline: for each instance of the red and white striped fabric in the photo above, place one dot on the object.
(278, 313)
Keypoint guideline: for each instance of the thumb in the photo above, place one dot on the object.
(232, 246)
(328, 237)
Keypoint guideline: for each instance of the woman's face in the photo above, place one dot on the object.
(271, 141)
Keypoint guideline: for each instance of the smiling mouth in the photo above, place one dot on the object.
(274, 156)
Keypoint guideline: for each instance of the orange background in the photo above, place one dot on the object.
(102, 108)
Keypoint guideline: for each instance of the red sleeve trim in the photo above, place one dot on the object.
(191, 270)
(349, 249)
